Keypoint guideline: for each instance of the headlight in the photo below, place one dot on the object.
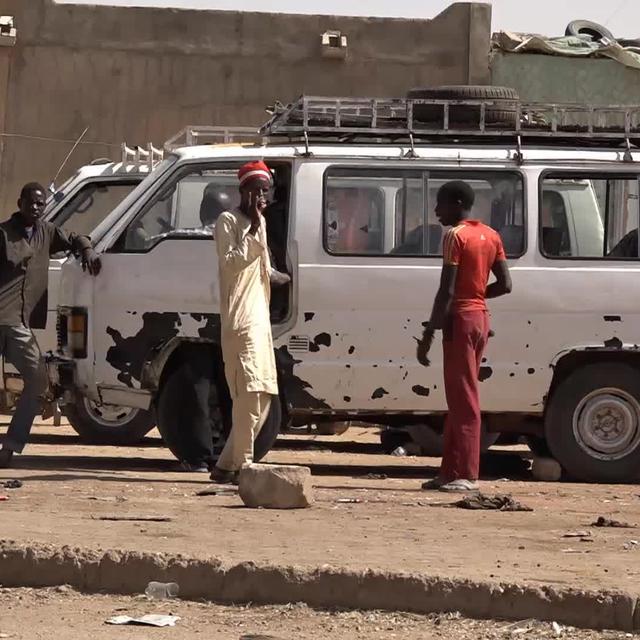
(72, 331)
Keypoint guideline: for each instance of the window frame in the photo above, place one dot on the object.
(588, 174)
(426, 172)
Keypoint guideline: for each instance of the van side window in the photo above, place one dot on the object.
(590, 217)
(189, 201)
(392, 212)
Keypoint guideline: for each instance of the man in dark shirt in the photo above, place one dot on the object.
(26, 243)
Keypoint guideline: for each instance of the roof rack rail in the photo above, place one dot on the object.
(321, 118)
(204, 134)
(140, 156)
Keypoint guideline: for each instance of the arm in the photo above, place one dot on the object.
(502, 286)
(60, 240)
(500, 269)
(235, 255)
(444, 297)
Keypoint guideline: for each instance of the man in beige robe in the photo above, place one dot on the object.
(247, 344)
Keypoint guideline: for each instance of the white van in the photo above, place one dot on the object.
(353, 222)
(79, 205)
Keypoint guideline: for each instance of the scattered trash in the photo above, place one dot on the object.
(107, 499)
(632, 544)
(162, 590)
(557, 629)
(497, 503)
(4, 498)
(12, 484)
(349, 500)
(134, 518)
(577, 534)
(150, 620)
(375, 476)
(606, 522)
(217, 492)
(399, 452)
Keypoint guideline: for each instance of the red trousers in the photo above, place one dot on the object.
(464, 340)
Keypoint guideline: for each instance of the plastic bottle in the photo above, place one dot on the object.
(162, 590)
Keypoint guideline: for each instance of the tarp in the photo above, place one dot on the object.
(570, 46)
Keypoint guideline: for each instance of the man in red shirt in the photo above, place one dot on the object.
(472, 251)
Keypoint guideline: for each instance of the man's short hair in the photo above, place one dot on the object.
(457, 191)
(30, 188)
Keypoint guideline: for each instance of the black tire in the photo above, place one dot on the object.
(581, 448)
(185, 434)
(503, 114)
(129, 428)
(587, 28)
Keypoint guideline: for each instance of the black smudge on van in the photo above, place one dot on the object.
(613, 343)
(379, 393)
(321, 340)
(612, 318)
(308, 316)
(128, 355)
(485, 373)
(419, 390)
(351, 349)
(297, 390)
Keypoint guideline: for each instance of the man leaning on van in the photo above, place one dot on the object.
(26, 243)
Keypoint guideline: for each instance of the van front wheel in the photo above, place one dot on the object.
(593, 423)
(108, 424)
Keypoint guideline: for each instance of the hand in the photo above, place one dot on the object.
(424, 346)
(91, 262)
(256, 206)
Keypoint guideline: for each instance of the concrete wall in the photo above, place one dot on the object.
(140, 74)
(545, 78)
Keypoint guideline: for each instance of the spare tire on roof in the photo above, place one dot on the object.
(502, 111)
(587, 28)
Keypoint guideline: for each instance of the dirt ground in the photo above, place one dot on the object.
(370, 513)
(63, 614)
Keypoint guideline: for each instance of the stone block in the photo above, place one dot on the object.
(276, 486)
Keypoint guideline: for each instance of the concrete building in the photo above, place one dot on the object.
(140, 75)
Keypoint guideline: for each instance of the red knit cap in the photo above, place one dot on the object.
(254, 170)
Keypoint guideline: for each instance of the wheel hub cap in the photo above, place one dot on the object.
(607, 424)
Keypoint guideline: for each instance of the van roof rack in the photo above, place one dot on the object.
(393, 119)
(194, 135)
(141, 156)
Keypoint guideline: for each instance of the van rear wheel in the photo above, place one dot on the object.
(108, 424)
(593, 423)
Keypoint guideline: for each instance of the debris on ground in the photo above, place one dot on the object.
(134, 518)
(616, 524)
(12, 484)
(349, 500)
(577, 534)
(632, 544)
(399, 452)
(149, 620)
(481, 501)
(4, 498)
(375, 476)
(162, 590)
(220, 491)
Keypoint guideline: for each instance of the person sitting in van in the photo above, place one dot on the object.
(472, 251)
(214, 202)
(26, 243)
(627, 247)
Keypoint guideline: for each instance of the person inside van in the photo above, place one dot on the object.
(472, 251)
(247, 343)
(214, 202)
(26, 243)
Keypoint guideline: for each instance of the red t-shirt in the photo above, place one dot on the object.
(474, 248)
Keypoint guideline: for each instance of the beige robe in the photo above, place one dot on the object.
(245, 292)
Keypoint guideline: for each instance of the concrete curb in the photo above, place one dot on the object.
(128, 572)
